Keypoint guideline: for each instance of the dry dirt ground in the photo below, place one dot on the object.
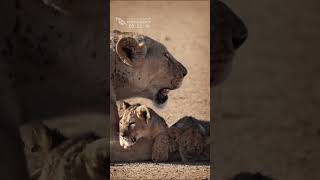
(182, 26)
(159, 171)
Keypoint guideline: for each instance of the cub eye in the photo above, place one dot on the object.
(131, 124)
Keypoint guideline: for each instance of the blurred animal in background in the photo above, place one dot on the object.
(81, 157)
(229, 33)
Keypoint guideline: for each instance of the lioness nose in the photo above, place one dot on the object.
(237, 41)
(184, 71)
(239, 33)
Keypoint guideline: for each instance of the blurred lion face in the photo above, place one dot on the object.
(230, 33)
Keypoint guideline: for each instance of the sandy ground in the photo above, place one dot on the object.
(160, 171)
(183, 26)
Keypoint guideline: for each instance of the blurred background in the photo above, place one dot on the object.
(270, 104)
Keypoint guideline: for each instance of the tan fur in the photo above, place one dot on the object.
(82, 157)
(54, 64)
(147, 68)
(141, 73)
(139, 121)
(187, 139)
(230, 33)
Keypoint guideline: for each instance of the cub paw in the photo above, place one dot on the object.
(160, 149)
(191, 145)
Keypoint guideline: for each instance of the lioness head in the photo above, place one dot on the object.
(230, 33)
(143, 67)
(138, 121)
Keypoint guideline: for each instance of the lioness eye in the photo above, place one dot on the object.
(167, 55)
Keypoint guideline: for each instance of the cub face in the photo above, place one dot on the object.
(134, 124)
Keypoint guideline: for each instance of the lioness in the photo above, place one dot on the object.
(140, 66)
(187, 139)
(78, 157)
(229, 33)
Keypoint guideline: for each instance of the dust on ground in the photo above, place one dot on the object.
(183, 27)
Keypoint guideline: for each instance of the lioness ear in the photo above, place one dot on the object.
(131, 51)
(143, 113)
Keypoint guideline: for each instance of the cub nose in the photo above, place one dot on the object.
(123, 134)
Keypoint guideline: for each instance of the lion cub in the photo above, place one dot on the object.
(80, 157)
(186, 140)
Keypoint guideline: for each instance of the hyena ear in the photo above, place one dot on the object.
(143, 113)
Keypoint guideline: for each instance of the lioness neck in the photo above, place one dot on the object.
(120, 75)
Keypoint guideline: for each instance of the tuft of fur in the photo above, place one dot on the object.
(82, 157)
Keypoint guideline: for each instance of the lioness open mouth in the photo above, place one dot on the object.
(162, 95)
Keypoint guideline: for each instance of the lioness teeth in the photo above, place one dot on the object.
(162, 95)
(165, 91)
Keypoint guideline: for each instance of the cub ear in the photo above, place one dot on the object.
(143, 113)
(44, 138)
(131, 51)
(123, 105)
